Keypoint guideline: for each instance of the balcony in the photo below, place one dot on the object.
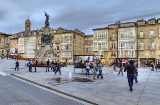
(141, 36)
(131, 56)
(113, 38)
(121, 56)
(113, 49)
(113, 55)
(151, 47)
(151, 35)
(141, 47)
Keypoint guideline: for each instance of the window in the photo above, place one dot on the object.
(152, 46)
(34, 33)
(151, 32)
(141, 34)
(152, 52)
(131, 53)
(0, 40)
(22, 34)
(113, 46)
(57, 47)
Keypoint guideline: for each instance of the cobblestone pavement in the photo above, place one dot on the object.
(113, 89)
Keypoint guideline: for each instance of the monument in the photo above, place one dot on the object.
(46, 51)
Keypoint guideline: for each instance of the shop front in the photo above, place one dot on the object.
(146, 62)
(124, 60)
(111, 61)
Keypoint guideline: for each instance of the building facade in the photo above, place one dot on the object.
(4, 43)
(100, 43)
(88, 45)
(132, 40)
(138, 40)
(67, 43)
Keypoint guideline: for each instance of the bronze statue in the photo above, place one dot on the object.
(47, 39)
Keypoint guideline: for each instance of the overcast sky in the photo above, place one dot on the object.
(84, 15)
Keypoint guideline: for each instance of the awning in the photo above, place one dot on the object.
(147, 59)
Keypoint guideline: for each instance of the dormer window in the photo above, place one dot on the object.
(158, 20)
(151, 22)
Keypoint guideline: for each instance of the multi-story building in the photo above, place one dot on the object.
(25, 42)
(4, 43)
(132, 40)
(88, 45)
(148, 33)
(100, 43)
(67, 43)
(112, 35)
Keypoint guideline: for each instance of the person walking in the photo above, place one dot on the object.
(17, 65)
(94, 69)
(7, 56)
(52, 66)
(58, 68)
(47, 66)
(130, 68)
(120, 68)
(136, 73)
(100, 65)
(30, 65)
(35, 65)
(114, 65)
(152, 66)
(87, 69)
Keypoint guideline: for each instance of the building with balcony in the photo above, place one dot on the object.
(100, 43)
(88, 45)
(132, 40)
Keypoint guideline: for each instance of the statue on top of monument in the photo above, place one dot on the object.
(47, 20)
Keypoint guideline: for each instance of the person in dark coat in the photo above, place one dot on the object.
(47, 66)
(130, 68)
(121, 68)
(35, 65)
(17, 66)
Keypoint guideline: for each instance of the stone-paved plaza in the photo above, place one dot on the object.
(113, 89)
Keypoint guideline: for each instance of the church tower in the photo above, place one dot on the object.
(27, 25)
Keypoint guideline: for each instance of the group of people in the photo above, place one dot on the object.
(55, 66)
(132, 72)
(130, 66)
(97, 66)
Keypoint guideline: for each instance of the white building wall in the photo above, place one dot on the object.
(21, 45)
(127, 42)
(100, 41)
(30, 47)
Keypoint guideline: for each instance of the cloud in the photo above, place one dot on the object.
(74, 14)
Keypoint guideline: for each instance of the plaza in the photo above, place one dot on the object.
(113, 89)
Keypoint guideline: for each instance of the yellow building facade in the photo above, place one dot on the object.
(4, 43)
(132, 40)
